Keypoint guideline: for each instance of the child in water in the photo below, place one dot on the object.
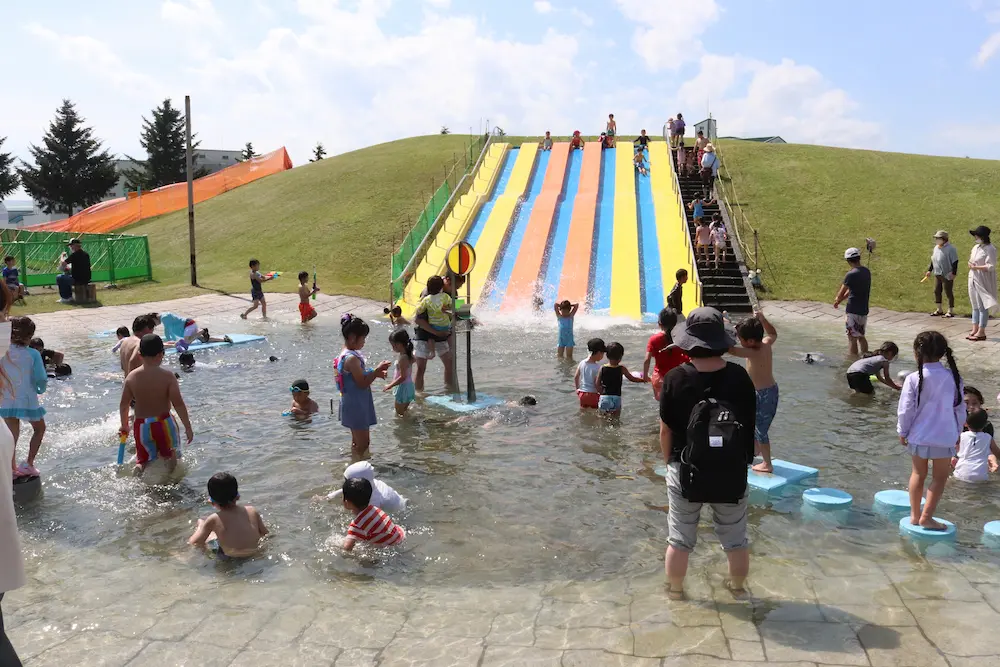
(565, 312)
(402, 383)
(661, 348)
(357, 408)
(396, 319)
(370, 524)
(306, 311)
(757, 336)
(977, 451)
(974, 403)
(235, 530)
(383, 497)
(609, 381)
(930, 415)
(585, 379)
(873, 363)
(26, 377)
(302, 405)
(122, 334)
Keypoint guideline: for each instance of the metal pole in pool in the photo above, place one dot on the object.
(190, 188)
(468, 345)
(452, 276)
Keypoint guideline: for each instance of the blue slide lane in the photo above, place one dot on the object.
(651, 290)
(519, 227)
(605, 234)
(560, 232)
(484, 211)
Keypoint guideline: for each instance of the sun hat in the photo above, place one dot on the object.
(941, 234)
(982, 231)
(852, 253)
(709, 148)
(704, 328)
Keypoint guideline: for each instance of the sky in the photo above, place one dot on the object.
(898, 75)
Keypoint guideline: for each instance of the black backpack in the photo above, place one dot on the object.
(714, 461)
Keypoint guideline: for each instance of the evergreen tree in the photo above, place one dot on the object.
(8, 177)
(445, 130)
(318, 152)
(248, 153)
(71, 171)
(165, 141)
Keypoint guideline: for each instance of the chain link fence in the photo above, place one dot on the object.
(113, 258)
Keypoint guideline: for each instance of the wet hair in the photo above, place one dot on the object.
(141, 323)
(615, 351)
(403, 338)
(223, 489)
(667, 321)
(303, 276)
(930, 346)
(972, 391)
(62, 370)
(358, 492)
(977, 421)
(888, 347)
(353, 326)
(186, 359)
(254, 262)
(611, 115)
(435, 284)
(37, 343)
(596, 345)
(150, 345)
(8, 258)
(681, 273)
(21, 330)
(700, 133)
(565, 305)
(395, 311)
(122, 331)
(300, 385)
(272, 358)
(528, 400)
(750, 328)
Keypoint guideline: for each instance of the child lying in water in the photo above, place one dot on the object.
(234, 530)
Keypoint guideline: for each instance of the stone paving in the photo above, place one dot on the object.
(830, 609)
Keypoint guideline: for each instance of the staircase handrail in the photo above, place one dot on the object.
(676, 184)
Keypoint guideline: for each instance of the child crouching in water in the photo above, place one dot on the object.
(930, 417)
(977, 451)
(402, 383)
(370, 524)
(302, 405)
(235, 530)
(873, 363)
(609, 381)
(383, 497)
(26, 376)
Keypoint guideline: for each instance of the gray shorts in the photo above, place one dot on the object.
(421, 349)
(730, 519)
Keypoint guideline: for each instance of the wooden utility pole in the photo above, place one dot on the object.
(190, 182)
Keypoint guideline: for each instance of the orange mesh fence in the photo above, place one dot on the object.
(117, 213)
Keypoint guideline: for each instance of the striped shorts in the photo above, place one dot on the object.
(156, 437)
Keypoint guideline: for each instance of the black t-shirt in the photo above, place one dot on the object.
(859, 281)
(684, 388)
(611, 380)
(79, 262)
(675, 299)
(642, 140)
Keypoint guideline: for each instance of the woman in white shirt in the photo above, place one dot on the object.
(982, 281)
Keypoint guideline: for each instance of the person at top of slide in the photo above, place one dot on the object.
(576, 141)
(661, 348)
(547, 141)
(237, 529)
(757, 336)
(612, 130)
(642, 139)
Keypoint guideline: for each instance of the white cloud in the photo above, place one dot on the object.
(543, 6)
(439, 4)
(583, 17)
(192, 14)
(988, 49)
(668, 32)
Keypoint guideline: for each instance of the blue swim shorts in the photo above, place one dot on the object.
(609, 403)
(767, 407)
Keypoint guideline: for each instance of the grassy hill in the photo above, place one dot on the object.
(810, 203)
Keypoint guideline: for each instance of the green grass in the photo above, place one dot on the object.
(810, 203)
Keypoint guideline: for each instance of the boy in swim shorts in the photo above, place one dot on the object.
(757, 335)
(306, 311)
(257, 280)
(235, 530)
(155, 391)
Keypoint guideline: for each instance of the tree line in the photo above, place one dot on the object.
(72, 170)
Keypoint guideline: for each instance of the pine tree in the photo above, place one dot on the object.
(8, 177)
(71, 170)
(247, 153)
(165, 141)
(445, 130)
(318, 152)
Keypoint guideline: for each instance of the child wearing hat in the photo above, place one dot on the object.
(944, 267)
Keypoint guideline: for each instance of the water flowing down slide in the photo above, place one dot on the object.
(574, 280)
(555, 258)
(454, 227)
(671, 226)
(489, 240)
(652, 294)
(625, 301)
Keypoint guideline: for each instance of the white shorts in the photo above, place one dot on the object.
(422, 351)
(191, 330)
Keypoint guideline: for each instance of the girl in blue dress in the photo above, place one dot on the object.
(25, 371)
(565, 312)
(357, 407)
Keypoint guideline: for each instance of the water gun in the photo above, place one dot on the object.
(122, 439)
(314, 283)
(272, 275)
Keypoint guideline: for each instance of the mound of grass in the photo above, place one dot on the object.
(810, 203)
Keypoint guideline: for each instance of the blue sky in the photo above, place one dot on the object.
(896, 75)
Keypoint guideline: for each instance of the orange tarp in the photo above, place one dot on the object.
(580, 245)
(111, 215)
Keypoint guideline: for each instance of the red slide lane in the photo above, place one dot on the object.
(574, 282)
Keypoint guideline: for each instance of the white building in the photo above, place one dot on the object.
(212, 160)
(24, 213)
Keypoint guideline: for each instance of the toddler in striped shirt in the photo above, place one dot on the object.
(370, 524)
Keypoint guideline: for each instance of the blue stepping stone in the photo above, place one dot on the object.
(992, 529)
(785, 473)
(661, 471)
(907, 528)
(823, 498)
(457, 402)
(895, 499)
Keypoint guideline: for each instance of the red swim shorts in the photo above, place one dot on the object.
(588, 399)
(306, 311)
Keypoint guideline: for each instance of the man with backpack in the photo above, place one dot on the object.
(707, 413)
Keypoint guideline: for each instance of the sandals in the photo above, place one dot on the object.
(937, 313)
(949, 315)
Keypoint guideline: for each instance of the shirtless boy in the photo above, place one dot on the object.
(306, 311)
(757, 335)
(235, 530)
(128, 352)
(155, 390)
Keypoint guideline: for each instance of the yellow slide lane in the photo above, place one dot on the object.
(495, 230)
(454, 227)
(671, 227)
(625, 300)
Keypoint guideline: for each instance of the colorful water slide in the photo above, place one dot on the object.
(625, 297)
(490, 239)
(524, 280)
(671, 227)
(574, 281)
(649, 250)
(455, 226)
(605, 223)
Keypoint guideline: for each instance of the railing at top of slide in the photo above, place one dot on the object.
(113, 257)
(414, 242)
(694, 279)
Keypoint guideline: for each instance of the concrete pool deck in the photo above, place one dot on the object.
(830, 609)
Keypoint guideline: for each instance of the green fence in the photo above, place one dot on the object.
(414, 237)
(113, 258)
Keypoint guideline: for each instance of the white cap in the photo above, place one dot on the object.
(852, 253)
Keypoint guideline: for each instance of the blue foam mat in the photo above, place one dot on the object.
(907, 528)
(238, 339)
(785, 472)
(457, 402)
(992, 529)
(825, 498)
